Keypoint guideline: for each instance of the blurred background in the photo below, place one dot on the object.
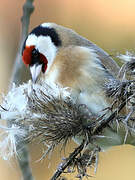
(110, 24)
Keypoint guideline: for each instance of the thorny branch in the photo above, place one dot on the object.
(68, 161)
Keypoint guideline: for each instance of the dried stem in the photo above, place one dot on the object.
(19, 75)
(68, 161)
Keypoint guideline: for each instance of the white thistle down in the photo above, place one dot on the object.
(15, 109)
(8, 141)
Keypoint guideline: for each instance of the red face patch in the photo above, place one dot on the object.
(27, 55)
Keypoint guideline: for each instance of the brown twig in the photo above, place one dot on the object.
(68, 161)
(19, 75)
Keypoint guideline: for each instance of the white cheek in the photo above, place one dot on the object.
(47, 48)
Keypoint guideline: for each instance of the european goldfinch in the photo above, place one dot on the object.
(60, 55)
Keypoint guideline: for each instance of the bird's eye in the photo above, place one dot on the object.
(35, 53)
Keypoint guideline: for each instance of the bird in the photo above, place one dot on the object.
(58, 54)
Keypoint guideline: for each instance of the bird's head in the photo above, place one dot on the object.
(40, 48)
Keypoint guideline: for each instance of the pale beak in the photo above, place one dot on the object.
(35, 71)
